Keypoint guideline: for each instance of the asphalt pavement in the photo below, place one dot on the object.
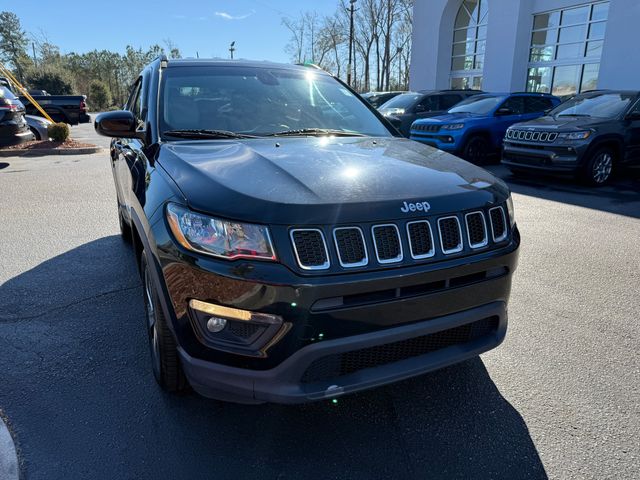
(558, 399)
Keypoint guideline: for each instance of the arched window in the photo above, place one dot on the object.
(469, 39)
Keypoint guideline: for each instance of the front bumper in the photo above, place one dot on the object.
(291, 382)
(448, 141)
(562, 159)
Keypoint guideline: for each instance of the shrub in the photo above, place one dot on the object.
(58, 132)
(53, 82)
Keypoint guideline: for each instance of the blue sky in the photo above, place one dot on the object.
(202, 26)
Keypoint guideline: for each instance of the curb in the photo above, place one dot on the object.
(8, 456)
(49, 151)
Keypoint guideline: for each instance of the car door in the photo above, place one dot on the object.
(632, 135)
(511, 111)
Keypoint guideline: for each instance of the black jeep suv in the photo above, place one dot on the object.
(292, 246)
(587, 136)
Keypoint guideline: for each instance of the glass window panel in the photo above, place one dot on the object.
(539, 80)
(482, 33)
(462, 63)
(458, 83)
(544, 37)
(473, 8)
(571, 50)
(594, 49)
(590, 77)
(600, 11)
(596, 30)
(476, 83)
(480, 46)
(479, 62)
(464, 35)
(573, 34)
(463, 48)
(546, 20)
(542, 54)
(575, 15)
(566, 80)
(462, 19)
(484, 11)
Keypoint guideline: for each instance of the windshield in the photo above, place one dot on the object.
(260, 101)
(478, 105)
(6, 93)
(405, 101)
(603, 105)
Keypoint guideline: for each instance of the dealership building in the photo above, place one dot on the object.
(556, 46)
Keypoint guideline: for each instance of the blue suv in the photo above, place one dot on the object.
(474, 128)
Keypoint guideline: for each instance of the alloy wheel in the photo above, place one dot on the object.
(152, 329)
(602, 167)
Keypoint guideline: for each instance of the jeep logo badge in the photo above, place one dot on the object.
(412, 207)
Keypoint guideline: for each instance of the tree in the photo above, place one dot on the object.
(53, 82)
(99, 95)
(13, 43)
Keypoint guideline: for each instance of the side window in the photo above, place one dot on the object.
(635, 109)
(537, 104)
(515, 104)
(448, 101)
(133, 104)
(428, 104)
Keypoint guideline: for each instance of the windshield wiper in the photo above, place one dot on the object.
(573, 115)
(316, 131)
(205, 133)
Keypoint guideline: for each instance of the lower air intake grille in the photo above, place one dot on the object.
(310, 249)
(243, 329)
(420, 239)
(387, 242)
(350, 246)
(450, 234)
(333, 366)
(498, 224)
(476, 229)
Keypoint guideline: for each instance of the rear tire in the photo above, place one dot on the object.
(36, 134)
(164, 351)
(477, 150)
(599, 168)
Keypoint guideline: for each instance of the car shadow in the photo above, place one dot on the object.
(621, 196)
(77, 385)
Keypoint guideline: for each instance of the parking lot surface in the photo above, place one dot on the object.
(558, 399)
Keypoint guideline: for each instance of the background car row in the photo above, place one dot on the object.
(588, 136)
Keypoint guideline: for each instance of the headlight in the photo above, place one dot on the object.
(575, 135)
(512, 213)
(217, 237)
(453, 126)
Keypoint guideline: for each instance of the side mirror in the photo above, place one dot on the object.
(504, 111)
(119, 123)
(633, 116)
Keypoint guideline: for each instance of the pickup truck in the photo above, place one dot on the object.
(292, 245)
(71, 109)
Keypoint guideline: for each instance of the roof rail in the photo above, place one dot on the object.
(532, 93)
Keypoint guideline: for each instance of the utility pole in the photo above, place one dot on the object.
(232, 48)
(351, 46)
(35, 61)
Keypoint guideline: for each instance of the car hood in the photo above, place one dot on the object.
(324, 180)
(563, 123)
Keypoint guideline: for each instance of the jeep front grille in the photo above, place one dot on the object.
(433, 238)
(310, 249)
(386, 239)
(426, 128)
(531, 135)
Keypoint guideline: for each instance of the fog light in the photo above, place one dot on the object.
(216, 324)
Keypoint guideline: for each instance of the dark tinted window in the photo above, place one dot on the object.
(600, 105)
(260, 101)
(429, 103)
(478, 104)
(448, 101)
(405, 100)
(515, 104)
(537, 104)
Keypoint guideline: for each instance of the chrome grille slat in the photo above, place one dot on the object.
(387, 244)
(352, 250)
(531, 135)
(476, 229)
(310, 248)
(498, 224)
(450, 235)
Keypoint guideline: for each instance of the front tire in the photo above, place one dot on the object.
(36, 134)
(164, 351)
(599, 168)
(477, 150)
